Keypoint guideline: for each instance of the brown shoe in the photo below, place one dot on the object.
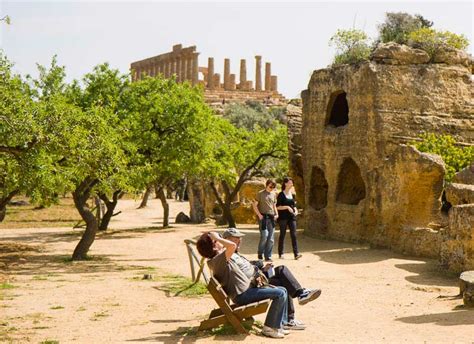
(298, 256)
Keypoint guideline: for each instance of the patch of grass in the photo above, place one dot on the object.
(81, 309)
(56, 307)
(6, 286)
(40, 327)
(50, 341)
(63, 214)
(40, 278)
(182, 286)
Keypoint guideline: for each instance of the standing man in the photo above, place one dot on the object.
(265, 208)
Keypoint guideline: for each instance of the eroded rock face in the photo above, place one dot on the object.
(294, 117)
(457, 248)
(465, 176)
(458, 194)
(362, 181)
(452, 57)
(243, 211)
(397, 54)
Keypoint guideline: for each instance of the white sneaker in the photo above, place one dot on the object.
(294, 325)
(308, 295)
(284, 331)
(272, 332)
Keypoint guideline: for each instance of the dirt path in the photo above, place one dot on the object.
(368, 295)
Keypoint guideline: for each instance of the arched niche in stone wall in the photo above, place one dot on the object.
(337, 113)
(318, 190)
(350, 185)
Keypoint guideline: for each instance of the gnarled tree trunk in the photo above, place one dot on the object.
(166, 208)
(3, 204)
(80, 196)
(225, 203)
(196, 199)
(110, 204)
(148, 191)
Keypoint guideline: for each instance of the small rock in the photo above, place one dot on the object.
(182, 218)
(393, 53)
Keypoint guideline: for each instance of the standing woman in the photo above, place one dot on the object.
(287, 212)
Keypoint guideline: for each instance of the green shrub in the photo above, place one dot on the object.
(455, 158)
(398, 26)
(432, 41)
(352, 46)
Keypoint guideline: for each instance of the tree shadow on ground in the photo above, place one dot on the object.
(428, 272)
(459, 316)
(188, 335)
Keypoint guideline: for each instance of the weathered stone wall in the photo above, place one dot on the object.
(361, 181)
(295, 146)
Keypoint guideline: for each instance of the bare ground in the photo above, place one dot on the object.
(369, 295)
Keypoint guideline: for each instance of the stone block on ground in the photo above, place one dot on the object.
(466, 287)
(182, 218)
(458, 194)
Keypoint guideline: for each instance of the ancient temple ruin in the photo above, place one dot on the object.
(361, 179)
(183, 64)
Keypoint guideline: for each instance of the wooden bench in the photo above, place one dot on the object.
(231, 314)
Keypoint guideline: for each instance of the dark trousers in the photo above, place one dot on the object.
(291, 224)
(284, 278)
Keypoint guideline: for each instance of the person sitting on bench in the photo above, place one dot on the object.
(243, 286)
(278, 276)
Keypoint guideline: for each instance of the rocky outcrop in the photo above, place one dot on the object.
(452, 57)
(458, 194)
(397, 54)
(294, 117)
(243, 212)
(362, 180)
(465, 176)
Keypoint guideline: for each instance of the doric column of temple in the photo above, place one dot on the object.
(268, 76)
(189, 67)
(166, 67)
(183, 69)
(210, 73)
(274, 85)
(160, 67)
(226, 74)
(258, 73)
(243, 74)
(232, 82)
(178, 69)
(174, 64)
(195, 76)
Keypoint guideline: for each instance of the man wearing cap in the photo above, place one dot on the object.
(278, 276)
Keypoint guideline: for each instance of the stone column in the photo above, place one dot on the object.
(258, 73)
(210, 73)
(178, 69)
(232, 82)
(274, 85)
(167, 66)
(226, 74)
(243, 74)
(183, 69)
(217, 81)
(189, 68)
(268, 76)
(195, 76)
(174, 63)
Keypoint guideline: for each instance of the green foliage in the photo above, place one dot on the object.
(169, 125)
(456, 158)
(6, 286)
(352, 46)
(253, 115)
(398, 26)
(432, 41)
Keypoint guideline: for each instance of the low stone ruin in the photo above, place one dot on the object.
(360, 178)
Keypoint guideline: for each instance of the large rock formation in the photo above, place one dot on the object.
(362, 182)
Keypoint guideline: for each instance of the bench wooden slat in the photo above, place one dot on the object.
(227, 313)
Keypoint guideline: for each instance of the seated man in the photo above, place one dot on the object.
(241, 285)
(282, 277)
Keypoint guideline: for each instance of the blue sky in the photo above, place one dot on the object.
(293, 36)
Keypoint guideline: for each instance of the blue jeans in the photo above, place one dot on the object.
(277, 315)
(267, 229)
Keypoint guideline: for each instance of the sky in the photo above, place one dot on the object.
(293, 36)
